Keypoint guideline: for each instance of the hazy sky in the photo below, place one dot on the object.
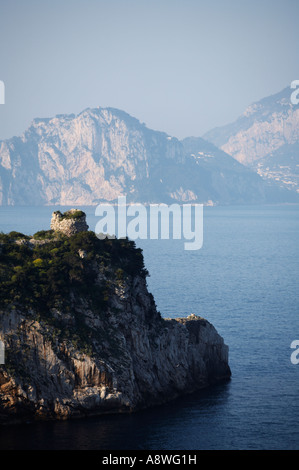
(180, 66)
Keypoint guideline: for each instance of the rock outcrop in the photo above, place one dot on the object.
(88, 338)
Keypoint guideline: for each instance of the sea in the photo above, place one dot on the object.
(245, 281)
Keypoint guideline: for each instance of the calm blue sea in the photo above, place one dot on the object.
(244, 280)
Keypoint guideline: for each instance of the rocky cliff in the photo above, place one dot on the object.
(83, 336)
(103, 153)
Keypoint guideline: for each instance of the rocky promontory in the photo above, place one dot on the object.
(83, 336)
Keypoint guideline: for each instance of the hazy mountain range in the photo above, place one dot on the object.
(103, 153)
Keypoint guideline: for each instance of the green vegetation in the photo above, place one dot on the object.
(44, 235)
(76, 214)
(13, 236)
(44, 276)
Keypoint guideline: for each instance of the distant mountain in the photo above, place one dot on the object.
(104, 153)
(263, 128)
(266, 138)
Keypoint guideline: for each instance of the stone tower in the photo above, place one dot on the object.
(70, 222)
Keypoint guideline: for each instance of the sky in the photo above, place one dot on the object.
(179, 66)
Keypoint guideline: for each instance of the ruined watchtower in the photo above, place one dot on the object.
(70, 222)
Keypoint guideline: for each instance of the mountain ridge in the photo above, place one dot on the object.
(103, 153)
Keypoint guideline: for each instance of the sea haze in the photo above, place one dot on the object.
(244, 280)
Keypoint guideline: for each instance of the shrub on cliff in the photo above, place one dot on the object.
(74, 214)
(44, 235)
(44, 275)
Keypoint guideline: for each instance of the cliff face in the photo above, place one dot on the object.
(97, 155)
(94, 347)
(140, 362)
